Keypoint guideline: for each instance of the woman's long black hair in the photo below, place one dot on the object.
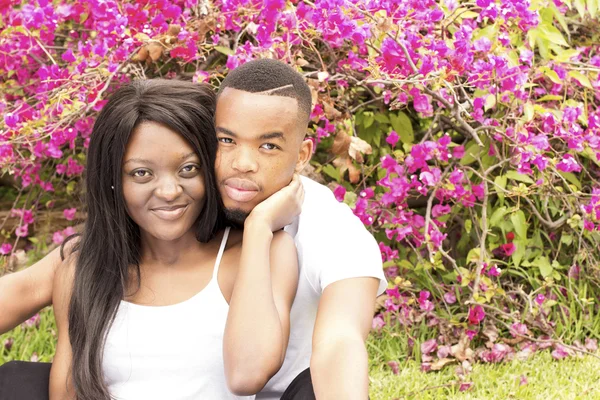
(110, 243)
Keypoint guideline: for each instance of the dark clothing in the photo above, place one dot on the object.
(20, 380)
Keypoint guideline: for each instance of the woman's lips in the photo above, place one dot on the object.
(170, 213)
(240, 190)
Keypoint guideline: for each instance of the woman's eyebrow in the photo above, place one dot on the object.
(138, 160)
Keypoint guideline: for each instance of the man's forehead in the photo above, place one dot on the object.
(267, 100)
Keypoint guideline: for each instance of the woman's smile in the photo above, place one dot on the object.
(170, 213)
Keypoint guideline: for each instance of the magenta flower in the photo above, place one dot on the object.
(58, 237)
(68, 56)
(339, 193)
(458, 152)
(394, 366)
(424, 303)
(378, 322)
(392, 138)
(539, 299)
(11, 120)
(6, 248)
(476, 314)
(22, 230)
(8, 343)
(69, 213)
(568, 164)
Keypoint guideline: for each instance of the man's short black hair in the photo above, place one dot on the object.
(271, 77)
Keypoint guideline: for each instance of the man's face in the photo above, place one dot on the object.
(260, 146)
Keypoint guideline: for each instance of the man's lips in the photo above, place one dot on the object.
(240, 190)
(170, 213)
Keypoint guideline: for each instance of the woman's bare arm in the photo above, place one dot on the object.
(26, 292)
(61, 387)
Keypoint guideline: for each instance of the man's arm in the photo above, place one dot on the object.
(258, 322)
(24, 293)
(339, 362)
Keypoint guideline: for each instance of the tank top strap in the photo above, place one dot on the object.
(220, 255)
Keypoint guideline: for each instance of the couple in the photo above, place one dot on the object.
(159, 299)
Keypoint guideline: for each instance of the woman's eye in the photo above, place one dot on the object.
(226, 140)
(189, 168)
(140, 173)
(269, 146)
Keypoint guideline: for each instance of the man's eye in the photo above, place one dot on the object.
(269, 146)
(225, 140)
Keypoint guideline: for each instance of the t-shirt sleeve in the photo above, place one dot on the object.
(340, 247)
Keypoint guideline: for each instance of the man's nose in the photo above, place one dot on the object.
(169, 189)
(244, 160)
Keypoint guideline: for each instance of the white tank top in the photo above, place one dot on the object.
(170, 352)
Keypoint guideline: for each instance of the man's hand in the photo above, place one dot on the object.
(279, 209)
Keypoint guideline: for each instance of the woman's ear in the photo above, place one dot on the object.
(304, 155)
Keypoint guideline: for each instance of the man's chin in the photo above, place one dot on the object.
(236, 216)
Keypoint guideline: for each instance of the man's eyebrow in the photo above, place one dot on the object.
(225, 131)
(272, 135)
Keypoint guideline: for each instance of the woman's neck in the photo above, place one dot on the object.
(170, 253)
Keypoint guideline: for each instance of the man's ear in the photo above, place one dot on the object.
(306, 151)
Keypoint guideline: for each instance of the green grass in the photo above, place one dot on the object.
(574, 378)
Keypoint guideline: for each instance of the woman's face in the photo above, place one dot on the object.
(163, 183)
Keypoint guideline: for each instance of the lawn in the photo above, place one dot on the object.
(538, 378)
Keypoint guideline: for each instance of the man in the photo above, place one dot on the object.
(263, 110)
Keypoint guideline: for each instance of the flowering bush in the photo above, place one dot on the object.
(465, 135)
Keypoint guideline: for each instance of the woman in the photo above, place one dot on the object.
(144, 292)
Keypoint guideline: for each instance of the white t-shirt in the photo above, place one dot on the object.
(332, 244)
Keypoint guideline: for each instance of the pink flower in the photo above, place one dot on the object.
(450, 298)
(465, 386)
(68, 231)
(424, 303)
(6, 248)
(339, 193)
(392, 138)
(22, 230)
(591, 345)
(476, 314)
(458, 152)
(568, 164)
(471, 333)
(539, 299)
(8, 343)
(560, 352)
(68, 56)
(429, 346)
(518, 329)
(494, 271)
(58, 237)
(522, 380)
(394, 366)
(69, 213)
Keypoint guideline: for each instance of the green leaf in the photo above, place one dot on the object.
(472, 151)
(569, 176)
(497, 216)
(382, 118)
(473, 255)
(368, 121)
(331, 171)
(566, 55)
(592, 7)
(520, 247)
(553, 35)
(501, 182)
(581, 78)
(552, 75)
(566, 239)
(544, 265)
(580, 6)
(225, 50)
(519, 177)
(550, 97)
(403, 127)
(559, 17)
(520, 224)
(528, 111)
